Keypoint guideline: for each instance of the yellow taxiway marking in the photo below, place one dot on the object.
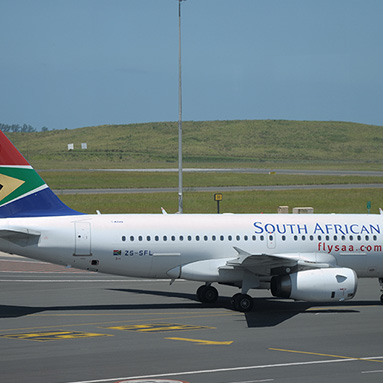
(214, 313)
(121, 321)
(327, 355)
(203, 342)
(159, 327)
(52, 335)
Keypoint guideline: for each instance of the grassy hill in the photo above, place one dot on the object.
(256, 143)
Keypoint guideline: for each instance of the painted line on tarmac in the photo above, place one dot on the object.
(212, 314)
(219, 370)
(204, 342)
(159, 327)
(372, 372)
(329, 355)
(53, 335)
(333, 308)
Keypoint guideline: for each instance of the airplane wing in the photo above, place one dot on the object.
(279, 264)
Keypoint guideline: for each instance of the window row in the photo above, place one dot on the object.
(270, 237)
(333, 238)
(197, 238)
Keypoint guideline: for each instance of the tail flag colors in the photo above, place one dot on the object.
(23, 193)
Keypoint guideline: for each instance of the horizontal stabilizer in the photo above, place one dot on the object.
(22, 237)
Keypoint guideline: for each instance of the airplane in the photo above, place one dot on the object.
(309, 257)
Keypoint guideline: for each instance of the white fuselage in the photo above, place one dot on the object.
(151, 245)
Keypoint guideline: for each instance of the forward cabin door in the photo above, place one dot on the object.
(82, 238)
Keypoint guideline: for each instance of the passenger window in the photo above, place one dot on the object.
(295, 238)
(246, 238)
(351, 237)
(140, 238)
(283, 238)
(181, 238)
(205, 238)
(359, 237)
(327, 237)
(173, 238)
(367, 237)
(165, 238)
(197, 237)
(335, 238)
(222, 238)
(148, 238)
(213, 237)
(253, 237)
(131, 238)
(157, 238)
(375, 237)
(229, 237)
(319, 237)
(303, 238)
(238, 238)
(262, 238)
(189, 238)
(123, 238)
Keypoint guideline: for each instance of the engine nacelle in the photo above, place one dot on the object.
(317, 285)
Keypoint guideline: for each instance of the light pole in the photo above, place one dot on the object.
(180, 196)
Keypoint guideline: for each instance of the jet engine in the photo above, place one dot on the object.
(317, 285)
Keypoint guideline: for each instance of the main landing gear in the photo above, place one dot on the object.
(240, 302)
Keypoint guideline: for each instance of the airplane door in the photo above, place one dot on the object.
(82, 238)
(270, 239)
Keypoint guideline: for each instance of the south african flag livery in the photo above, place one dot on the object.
(22, 191)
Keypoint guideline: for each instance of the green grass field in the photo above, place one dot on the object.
(255, 143)
(94, 180)
(323, 201)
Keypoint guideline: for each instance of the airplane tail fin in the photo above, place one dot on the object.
(23, 193)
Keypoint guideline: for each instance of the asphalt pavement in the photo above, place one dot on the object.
(58, 325)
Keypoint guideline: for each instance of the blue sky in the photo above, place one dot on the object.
(74, 63)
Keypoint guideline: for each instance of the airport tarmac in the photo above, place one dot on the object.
(58, 325)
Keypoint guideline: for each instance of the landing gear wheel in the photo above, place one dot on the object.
(200, 292)
(207, 294)
(243, 303)
(232, 300)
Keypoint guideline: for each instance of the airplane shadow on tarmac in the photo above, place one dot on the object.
(267, 312)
